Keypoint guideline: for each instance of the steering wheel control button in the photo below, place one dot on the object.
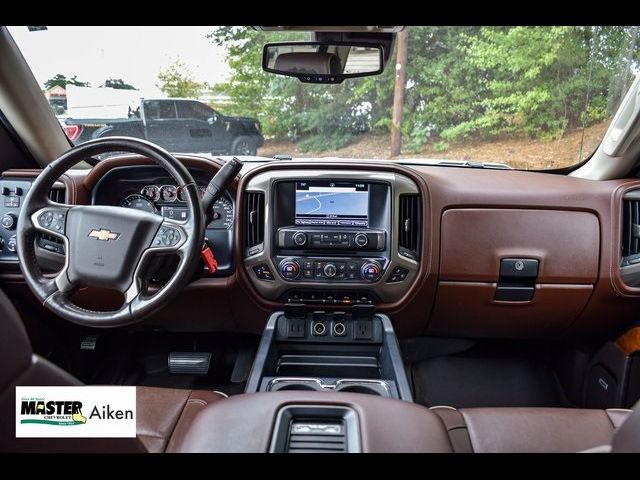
(263, 272)
(52, 220)
(371, 271)
(289, 269)
(9, 221)
(167, 237)
(398, 274)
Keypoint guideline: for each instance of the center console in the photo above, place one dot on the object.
(354, 351)
(321, 383)
(331, 237)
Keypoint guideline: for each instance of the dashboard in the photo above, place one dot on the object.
(445, 251)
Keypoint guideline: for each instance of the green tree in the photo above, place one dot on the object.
(462, 83)
(321, 117)
(177, 81)
(118, 84)
(60, 80)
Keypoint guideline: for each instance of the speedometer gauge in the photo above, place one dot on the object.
(222, 215)
(138, 202)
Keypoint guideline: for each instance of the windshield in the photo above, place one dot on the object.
(527, 97)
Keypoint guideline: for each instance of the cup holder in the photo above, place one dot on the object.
(355, 388)
(367, 387)
(278, 385)
(293, 386)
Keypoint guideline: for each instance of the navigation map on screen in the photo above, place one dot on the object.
(332, 203)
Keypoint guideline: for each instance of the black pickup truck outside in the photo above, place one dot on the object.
(179, 125)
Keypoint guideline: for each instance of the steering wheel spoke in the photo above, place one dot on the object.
(170, 238)
(52, 219)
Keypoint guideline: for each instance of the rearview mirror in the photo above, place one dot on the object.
(318, 62)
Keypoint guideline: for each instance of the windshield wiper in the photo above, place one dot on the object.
(456, 163)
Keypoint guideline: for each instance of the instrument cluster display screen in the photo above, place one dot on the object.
(332, 203)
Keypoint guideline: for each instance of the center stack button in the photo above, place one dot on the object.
(371, 271)
(330, 270)
(289, 269)
(300, 238)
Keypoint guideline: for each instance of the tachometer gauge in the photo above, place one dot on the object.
(138, 202)
(168, 193)
(152, 192)
(222, 215)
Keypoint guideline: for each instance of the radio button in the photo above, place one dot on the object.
(299, 238)
(361, 240)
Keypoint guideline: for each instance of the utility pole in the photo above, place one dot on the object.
(398, 93)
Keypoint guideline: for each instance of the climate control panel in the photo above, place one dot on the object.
(321, 239)
(356, 270)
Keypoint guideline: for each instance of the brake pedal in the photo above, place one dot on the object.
(189, 363)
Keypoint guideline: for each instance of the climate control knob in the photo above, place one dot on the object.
(289, 269)
(300, 238)
(9, 221)
(361, 240)
(371, 271)
(330, 270)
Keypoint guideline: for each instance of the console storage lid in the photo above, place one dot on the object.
(245, 423)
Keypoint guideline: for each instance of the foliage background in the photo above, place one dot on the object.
(462, 83)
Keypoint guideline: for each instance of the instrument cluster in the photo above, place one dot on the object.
(168, 201)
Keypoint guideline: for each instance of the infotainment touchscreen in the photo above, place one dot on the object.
(332, 203)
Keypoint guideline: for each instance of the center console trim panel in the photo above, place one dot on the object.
(273, 289)
(401, 380)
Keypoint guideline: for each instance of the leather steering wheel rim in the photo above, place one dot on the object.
(108, 246)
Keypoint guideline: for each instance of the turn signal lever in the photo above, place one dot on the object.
(218, 185)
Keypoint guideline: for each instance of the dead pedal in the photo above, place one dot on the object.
(189, 363)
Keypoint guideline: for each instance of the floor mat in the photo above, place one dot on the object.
(142, 360)
(464, 382)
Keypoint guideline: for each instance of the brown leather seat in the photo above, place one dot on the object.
(160, 411)
(537, 430)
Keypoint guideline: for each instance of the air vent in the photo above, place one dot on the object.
(254, 222)
(57, 194)
(317, 437)
(409, 226)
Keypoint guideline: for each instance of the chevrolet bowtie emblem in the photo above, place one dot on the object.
(104, 235)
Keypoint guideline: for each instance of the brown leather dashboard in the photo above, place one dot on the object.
(471, 219)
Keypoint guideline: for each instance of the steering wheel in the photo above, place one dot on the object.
(108, 246)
